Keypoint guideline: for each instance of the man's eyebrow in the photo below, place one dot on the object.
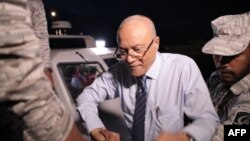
(137, 46)
(134, 46)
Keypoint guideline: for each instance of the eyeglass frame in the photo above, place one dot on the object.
(127, 53)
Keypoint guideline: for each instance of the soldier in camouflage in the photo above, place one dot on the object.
(24, 89)
(22, 80)
(229, 85)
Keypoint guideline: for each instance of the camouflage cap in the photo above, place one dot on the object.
(231, 35)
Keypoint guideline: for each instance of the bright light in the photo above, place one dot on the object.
(53, 13)
(100, 43)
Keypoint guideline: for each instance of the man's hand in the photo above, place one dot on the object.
(181, 136)
(102, 134)
(97, 135)
(110, 136)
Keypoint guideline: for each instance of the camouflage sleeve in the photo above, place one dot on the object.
(237, 115)
(22, 80)
(39, 25)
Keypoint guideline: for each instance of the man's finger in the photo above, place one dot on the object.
(110, 136)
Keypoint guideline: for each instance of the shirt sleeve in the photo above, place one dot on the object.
(198, 105)
(101, 89)
(39, 25)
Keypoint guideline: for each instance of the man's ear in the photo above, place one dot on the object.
(157, 41)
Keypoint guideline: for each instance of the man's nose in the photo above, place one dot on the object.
(217, 60)
(130, 58)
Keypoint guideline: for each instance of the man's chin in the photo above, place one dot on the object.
(136, 72)
(227, 80)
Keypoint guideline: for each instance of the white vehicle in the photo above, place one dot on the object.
(69, 83)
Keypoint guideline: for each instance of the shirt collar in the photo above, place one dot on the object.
(241, 86)
(153, 71)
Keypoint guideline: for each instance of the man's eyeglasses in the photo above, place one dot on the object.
(121, 54)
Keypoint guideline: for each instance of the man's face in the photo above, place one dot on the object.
(138, 49)
(233, 68)
(139, 54)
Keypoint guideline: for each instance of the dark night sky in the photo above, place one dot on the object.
(183, 25)
(176, 20)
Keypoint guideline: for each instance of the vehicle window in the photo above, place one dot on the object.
(77, 76)
(62, 43)
(110, 61)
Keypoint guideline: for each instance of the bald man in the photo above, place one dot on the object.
(171, 84)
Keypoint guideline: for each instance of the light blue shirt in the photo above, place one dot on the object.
(175, 86)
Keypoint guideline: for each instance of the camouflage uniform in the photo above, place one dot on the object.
(39, 25)
(232, 36)
(232, 104)
(22, 79)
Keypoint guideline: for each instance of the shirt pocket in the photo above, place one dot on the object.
(167, 118)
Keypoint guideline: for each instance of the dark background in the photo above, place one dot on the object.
(183, 25)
